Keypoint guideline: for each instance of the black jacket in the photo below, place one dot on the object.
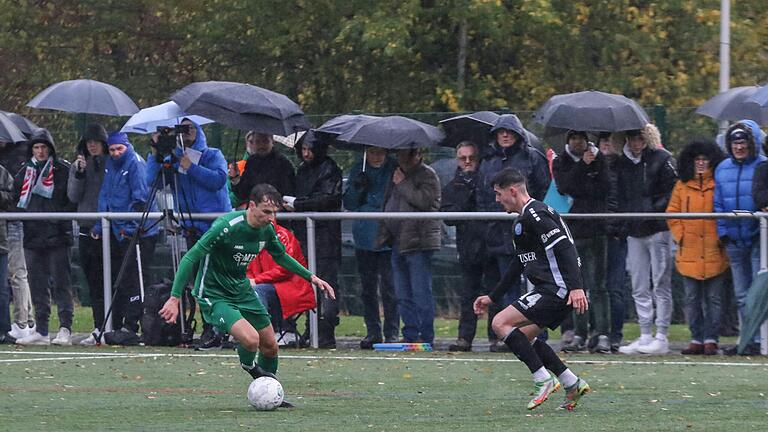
(645, 187)
(274, 169)
(318, 189)
(47, 234)
(459, 196)
(592, 187)
(760, 186)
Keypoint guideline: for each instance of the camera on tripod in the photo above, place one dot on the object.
(168, 138)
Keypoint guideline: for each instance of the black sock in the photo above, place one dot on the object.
(549, 357)
(518, 343)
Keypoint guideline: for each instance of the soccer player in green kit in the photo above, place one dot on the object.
(222, 289)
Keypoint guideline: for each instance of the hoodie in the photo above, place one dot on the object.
(83, 187)
(733, 187)
(202, 189)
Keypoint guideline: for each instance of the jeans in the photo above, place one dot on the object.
(23, 312)
(5, 296)
(652, 253)
(616, 280)
(592, 252)
(703, 299)
(268, 296)
(375, 269)
(46, 266)
(745, 263)
(92, 265)
(412, 277)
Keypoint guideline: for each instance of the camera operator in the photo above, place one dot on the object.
(199, 183)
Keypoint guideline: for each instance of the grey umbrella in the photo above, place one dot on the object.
(733, 105)
(756, 310)
(8, 131)
(392, 132)
(476, 127)
(242, 106)
(591, 111)
(25, 125)
(85, 96)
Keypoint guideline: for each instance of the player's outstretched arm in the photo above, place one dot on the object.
(324, 286)
(578, 300)
(170, 310)
(481, 304)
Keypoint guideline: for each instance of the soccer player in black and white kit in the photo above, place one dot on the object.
(548, 258)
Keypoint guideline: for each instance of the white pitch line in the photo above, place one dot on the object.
(91, 356)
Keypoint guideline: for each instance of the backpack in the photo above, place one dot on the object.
(157, 332)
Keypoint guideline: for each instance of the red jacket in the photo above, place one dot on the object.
(295, 293)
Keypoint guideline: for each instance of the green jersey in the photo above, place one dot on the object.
(224, 253)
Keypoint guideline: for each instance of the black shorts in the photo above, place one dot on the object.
(543, 308)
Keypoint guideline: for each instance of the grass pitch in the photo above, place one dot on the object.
(104, 388)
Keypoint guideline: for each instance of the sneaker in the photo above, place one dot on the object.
(286, 404)
(574, 393)
(498, 346)
(657, 346)
(633, 348)
(543, 390)
(91, 339)
(209, 343)
(63, 337)
(567, 337)
(34, 339)
(693, 349)
(7, 339)
(19, 332)
(603, 345)
(461, 345)
(391, 339)
(752, 349)
(710, 348)
(257, 372)
(368, 341)
(287, 340)
(577, 345)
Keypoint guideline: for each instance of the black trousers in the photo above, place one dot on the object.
(476, 275)
(375, 269)
(91, 257)
(127, 308)
(49, 273)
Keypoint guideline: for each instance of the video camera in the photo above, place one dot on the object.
(168, 137)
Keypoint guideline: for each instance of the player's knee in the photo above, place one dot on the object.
(268, 348)
(499, 326)
(251, 342)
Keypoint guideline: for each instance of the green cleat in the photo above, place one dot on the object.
(574, 393)
(543, 390)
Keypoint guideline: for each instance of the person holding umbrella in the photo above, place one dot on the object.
(264, 165)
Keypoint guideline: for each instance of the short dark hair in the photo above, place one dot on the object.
(265, 192)
(508, 177)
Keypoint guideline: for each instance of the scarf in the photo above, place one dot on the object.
(33, 184)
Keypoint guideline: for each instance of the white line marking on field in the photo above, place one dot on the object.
(92, 356)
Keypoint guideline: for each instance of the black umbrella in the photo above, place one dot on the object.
(242, 106)
(25, 125)
(85, 96)
(336, 126)
(476, 127)
(592, 111)
(8, 131)
(733, 105)
(392, 132)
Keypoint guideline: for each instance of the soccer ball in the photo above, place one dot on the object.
(265, 393)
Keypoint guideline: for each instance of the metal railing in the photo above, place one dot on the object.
(310, 218)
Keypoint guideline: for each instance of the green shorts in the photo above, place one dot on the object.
(224, 313)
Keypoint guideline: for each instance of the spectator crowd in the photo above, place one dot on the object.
(629, 172)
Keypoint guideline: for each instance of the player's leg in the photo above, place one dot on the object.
(575, 387)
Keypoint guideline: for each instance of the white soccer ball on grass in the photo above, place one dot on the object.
(265, 393)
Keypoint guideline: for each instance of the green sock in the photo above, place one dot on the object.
(269, 364)
(246, 357)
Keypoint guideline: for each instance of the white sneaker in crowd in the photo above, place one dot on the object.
(18, 332)
(91, 339)
(657, 346)
(34, 339)
(64, 337)
(633, 348)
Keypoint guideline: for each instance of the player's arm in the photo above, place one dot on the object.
(511, 277)
(277, 250)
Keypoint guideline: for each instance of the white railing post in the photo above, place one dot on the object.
(312, 261)
(106, 261)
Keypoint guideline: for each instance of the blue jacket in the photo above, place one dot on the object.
(367, 196)
(733, 189)
(202, 189)
(124, 189)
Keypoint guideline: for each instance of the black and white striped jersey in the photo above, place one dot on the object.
(545, 251)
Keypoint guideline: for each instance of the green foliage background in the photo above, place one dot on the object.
(389, 56)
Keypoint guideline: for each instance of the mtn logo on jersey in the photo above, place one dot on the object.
(243, 259)
(527, 257)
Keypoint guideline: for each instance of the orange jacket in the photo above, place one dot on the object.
(699, 254)
(295, 293)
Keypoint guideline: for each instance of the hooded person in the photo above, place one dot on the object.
(41, 187)
(125, 190)
(264, 165)
(733, 191)
(85, 178)
(199, 177)
(318, 189)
